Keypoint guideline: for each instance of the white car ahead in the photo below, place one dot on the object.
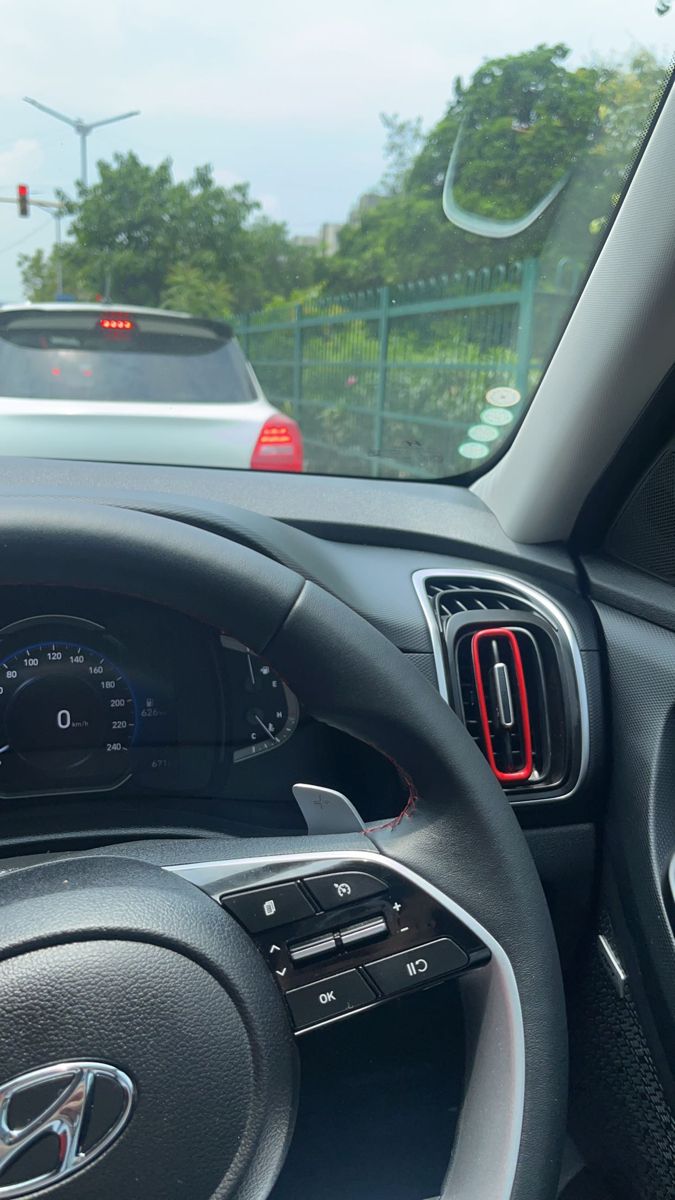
(135, 385)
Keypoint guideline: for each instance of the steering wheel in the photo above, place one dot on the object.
(131, 978)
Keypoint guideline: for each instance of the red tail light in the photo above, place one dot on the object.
(279, 446)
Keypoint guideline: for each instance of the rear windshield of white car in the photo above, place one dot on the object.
(108, 356)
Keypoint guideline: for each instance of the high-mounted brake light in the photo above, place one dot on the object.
(279, 446)
(116, 323)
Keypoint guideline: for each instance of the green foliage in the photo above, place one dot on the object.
(403, 141)
(525, 120)
(188, 289)
(38, 275)
(140, 237)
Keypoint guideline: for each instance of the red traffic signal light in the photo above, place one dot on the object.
(23, 201)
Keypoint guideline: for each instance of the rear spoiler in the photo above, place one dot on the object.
(14, 316)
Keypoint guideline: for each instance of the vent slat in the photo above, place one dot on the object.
(464, 596)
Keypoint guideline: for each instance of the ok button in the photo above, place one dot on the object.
(328, 998)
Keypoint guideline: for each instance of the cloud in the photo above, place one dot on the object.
(270, 63)
(270, 204)
(285, 96)
(19, 161)
(227, 178)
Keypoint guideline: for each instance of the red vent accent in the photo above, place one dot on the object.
(522, 715)
(279, 446)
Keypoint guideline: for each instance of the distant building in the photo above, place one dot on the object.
(326, 241)
(330, 238)
(365, 204)
(309, 240)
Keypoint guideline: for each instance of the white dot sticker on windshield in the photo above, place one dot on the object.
(473, 450)
(496, 416)
(483, 433)
(503, 397)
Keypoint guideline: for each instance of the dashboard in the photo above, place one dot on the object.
(121, 719)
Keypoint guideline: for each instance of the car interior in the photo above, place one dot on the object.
(337, 831)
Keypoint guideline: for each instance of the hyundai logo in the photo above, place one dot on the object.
(55, 1120)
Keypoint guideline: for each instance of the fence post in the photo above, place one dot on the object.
(297, 359)
(381, 394)
(244, 324)
(528, 289)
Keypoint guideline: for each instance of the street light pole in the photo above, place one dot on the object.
(83, 157)
(82, 128)
(56, 213)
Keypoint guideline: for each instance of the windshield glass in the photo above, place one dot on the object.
(394, 208)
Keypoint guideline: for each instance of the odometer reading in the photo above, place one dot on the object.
(66, 712)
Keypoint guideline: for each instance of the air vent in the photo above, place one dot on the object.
(508, 673)
(504, 701)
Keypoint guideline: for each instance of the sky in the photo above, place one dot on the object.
(284, 94)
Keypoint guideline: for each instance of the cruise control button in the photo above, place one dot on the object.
(416, 967)
(335, 890)
(328, 998)
(267, 907)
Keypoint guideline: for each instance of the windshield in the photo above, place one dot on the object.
(394, 208)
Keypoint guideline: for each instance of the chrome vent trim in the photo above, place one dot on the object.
(530, 600)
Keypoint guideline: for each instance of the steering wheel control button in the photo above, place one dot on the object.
(328, 998)
(313, 948)
(414, 968)
(268, 907)
(336, 890)
(365, 931)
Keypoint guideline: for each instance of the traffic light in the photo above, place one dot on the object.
(23, 201)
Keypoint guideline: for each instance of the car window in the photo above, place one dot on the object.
(394, 208)
(117, 357)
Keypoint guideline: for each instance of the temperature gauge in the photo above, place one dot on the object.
(265, 711)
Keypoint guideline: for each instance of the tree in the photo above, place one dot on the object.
(141, 237)
(273, 265)
(38, 275)
(188, 289)
(124, 228)
(403, 141)
(525, 121)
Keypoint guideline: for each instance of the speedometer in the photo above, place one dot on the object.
(67, 711)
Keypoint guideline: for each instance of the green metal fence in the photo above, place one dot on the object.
(394, 381)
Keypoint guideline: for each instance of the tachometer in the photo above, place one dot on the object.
(66, 711)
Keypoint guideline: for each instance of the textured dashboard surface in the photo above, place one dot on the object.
(433, 517)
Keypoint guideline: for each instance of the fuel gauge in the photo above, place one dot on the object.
(265, 712)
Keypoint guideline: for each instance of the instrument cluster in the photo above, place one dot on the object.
(96, 698)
